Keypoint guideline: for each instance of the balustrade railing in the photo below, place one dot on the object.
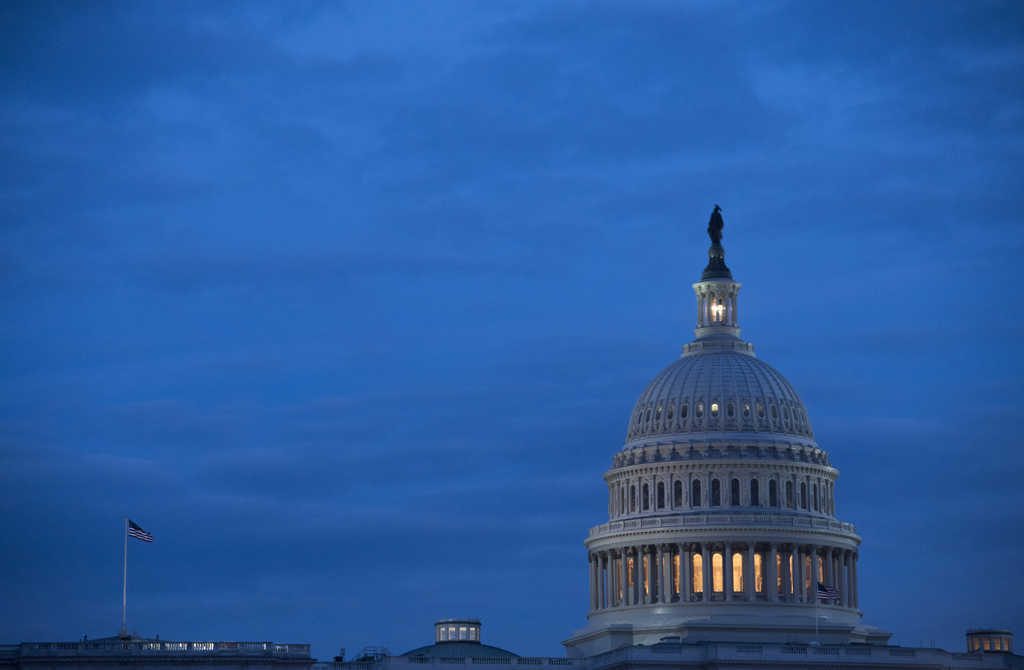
(156, 647)
(723, 519)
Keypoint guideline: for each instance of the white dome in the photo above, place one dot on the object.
(709, 394)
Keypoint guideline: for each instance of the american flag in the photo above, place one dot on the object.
(134, 530)
(827, 592)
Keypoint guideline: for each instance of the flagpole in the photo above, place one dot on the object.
(124, 594)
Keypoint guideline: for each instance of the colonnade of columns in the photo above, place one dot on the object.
(716, 308)
(725, 571)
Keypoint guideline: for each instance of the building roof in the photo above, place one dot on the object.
(461, 650)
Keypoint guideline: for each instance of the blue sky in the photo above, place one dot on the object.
(348, 303)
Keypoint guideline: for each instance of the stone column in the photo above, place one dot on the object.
(799, 579)
(853, 594)
(815, 573)
(623, 581)
(727, 571)
(593, 583)
(841, 578)
(601, 586)
(748, 574)
(685, 578)
(705, 550)
(661, 573)
(771, 571)
(830, 568)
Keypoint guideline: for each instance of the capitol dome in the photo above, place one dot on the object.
(721, 506)
(711, 392)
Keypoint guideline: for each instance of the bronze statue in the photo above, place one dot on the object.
(715, 225)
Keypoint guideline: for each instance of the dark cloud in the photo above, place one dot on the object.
(349, 305)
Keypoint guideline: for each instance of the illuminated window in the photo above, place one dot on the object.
(821, 568)
(677, 493)
(630, 569)
(646, 503)
(759, 573)
(807, 576)
(676, 564)
(987, 643)
(695, 494)
(671, 411)
(683, 410)
(716, 493)
(661, 495)
(760, 410)
(463, 633)
(998, 641)
(773, 493)
(789, 495)
(717, 576)
(700, 410)
(734, 493)
(714, 409)
(657, 414)
(730, 410)
(698, 573)
(755, 493)
(746, 409)
(737, 572)
(778, 571)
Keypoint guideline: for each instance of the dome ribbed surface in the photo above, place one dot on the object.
(711, 393)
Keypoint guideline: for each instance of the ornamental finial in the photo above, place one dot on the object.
(716, 254)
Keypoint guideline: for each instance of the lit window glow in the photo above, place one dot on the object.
(698, 573)
(717, 575)
(737, 573)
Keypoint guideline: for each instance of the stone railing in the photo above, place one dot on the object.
(153, 648)
(792, 656)
(412, 662)
(717, 520)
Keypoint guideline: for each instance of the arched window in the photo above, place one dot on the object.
(755, 493)
(695, 494)
(671, 411)
(775, 412)
(661, 495)
(675, 573)
(803, 495)
(700, 410)
(730, 410)
(807, 576)
(622, 506)
(716, 493)
(698, 573)
(789, 495)
(677, 493)
(773, 493)
(647, 497)
(714, 409)
(737, 572)
(760, 411)
(717, 575)
(734, 493)
(759, 573)
(632, 497)
(648, 419)
(746, 409)
(815, 498)
(657, 414)
(683, 411)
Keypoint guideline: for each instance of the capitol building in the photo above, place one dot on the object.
(723, 546)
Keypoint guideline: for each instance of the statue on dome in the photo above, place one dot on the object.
(715, 225)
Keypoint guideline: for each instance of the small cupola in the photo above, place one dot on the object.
(457, 630)
(990, 639)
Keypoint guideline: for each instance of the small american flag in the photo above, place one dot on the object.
(134, 530)
(827, 592)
